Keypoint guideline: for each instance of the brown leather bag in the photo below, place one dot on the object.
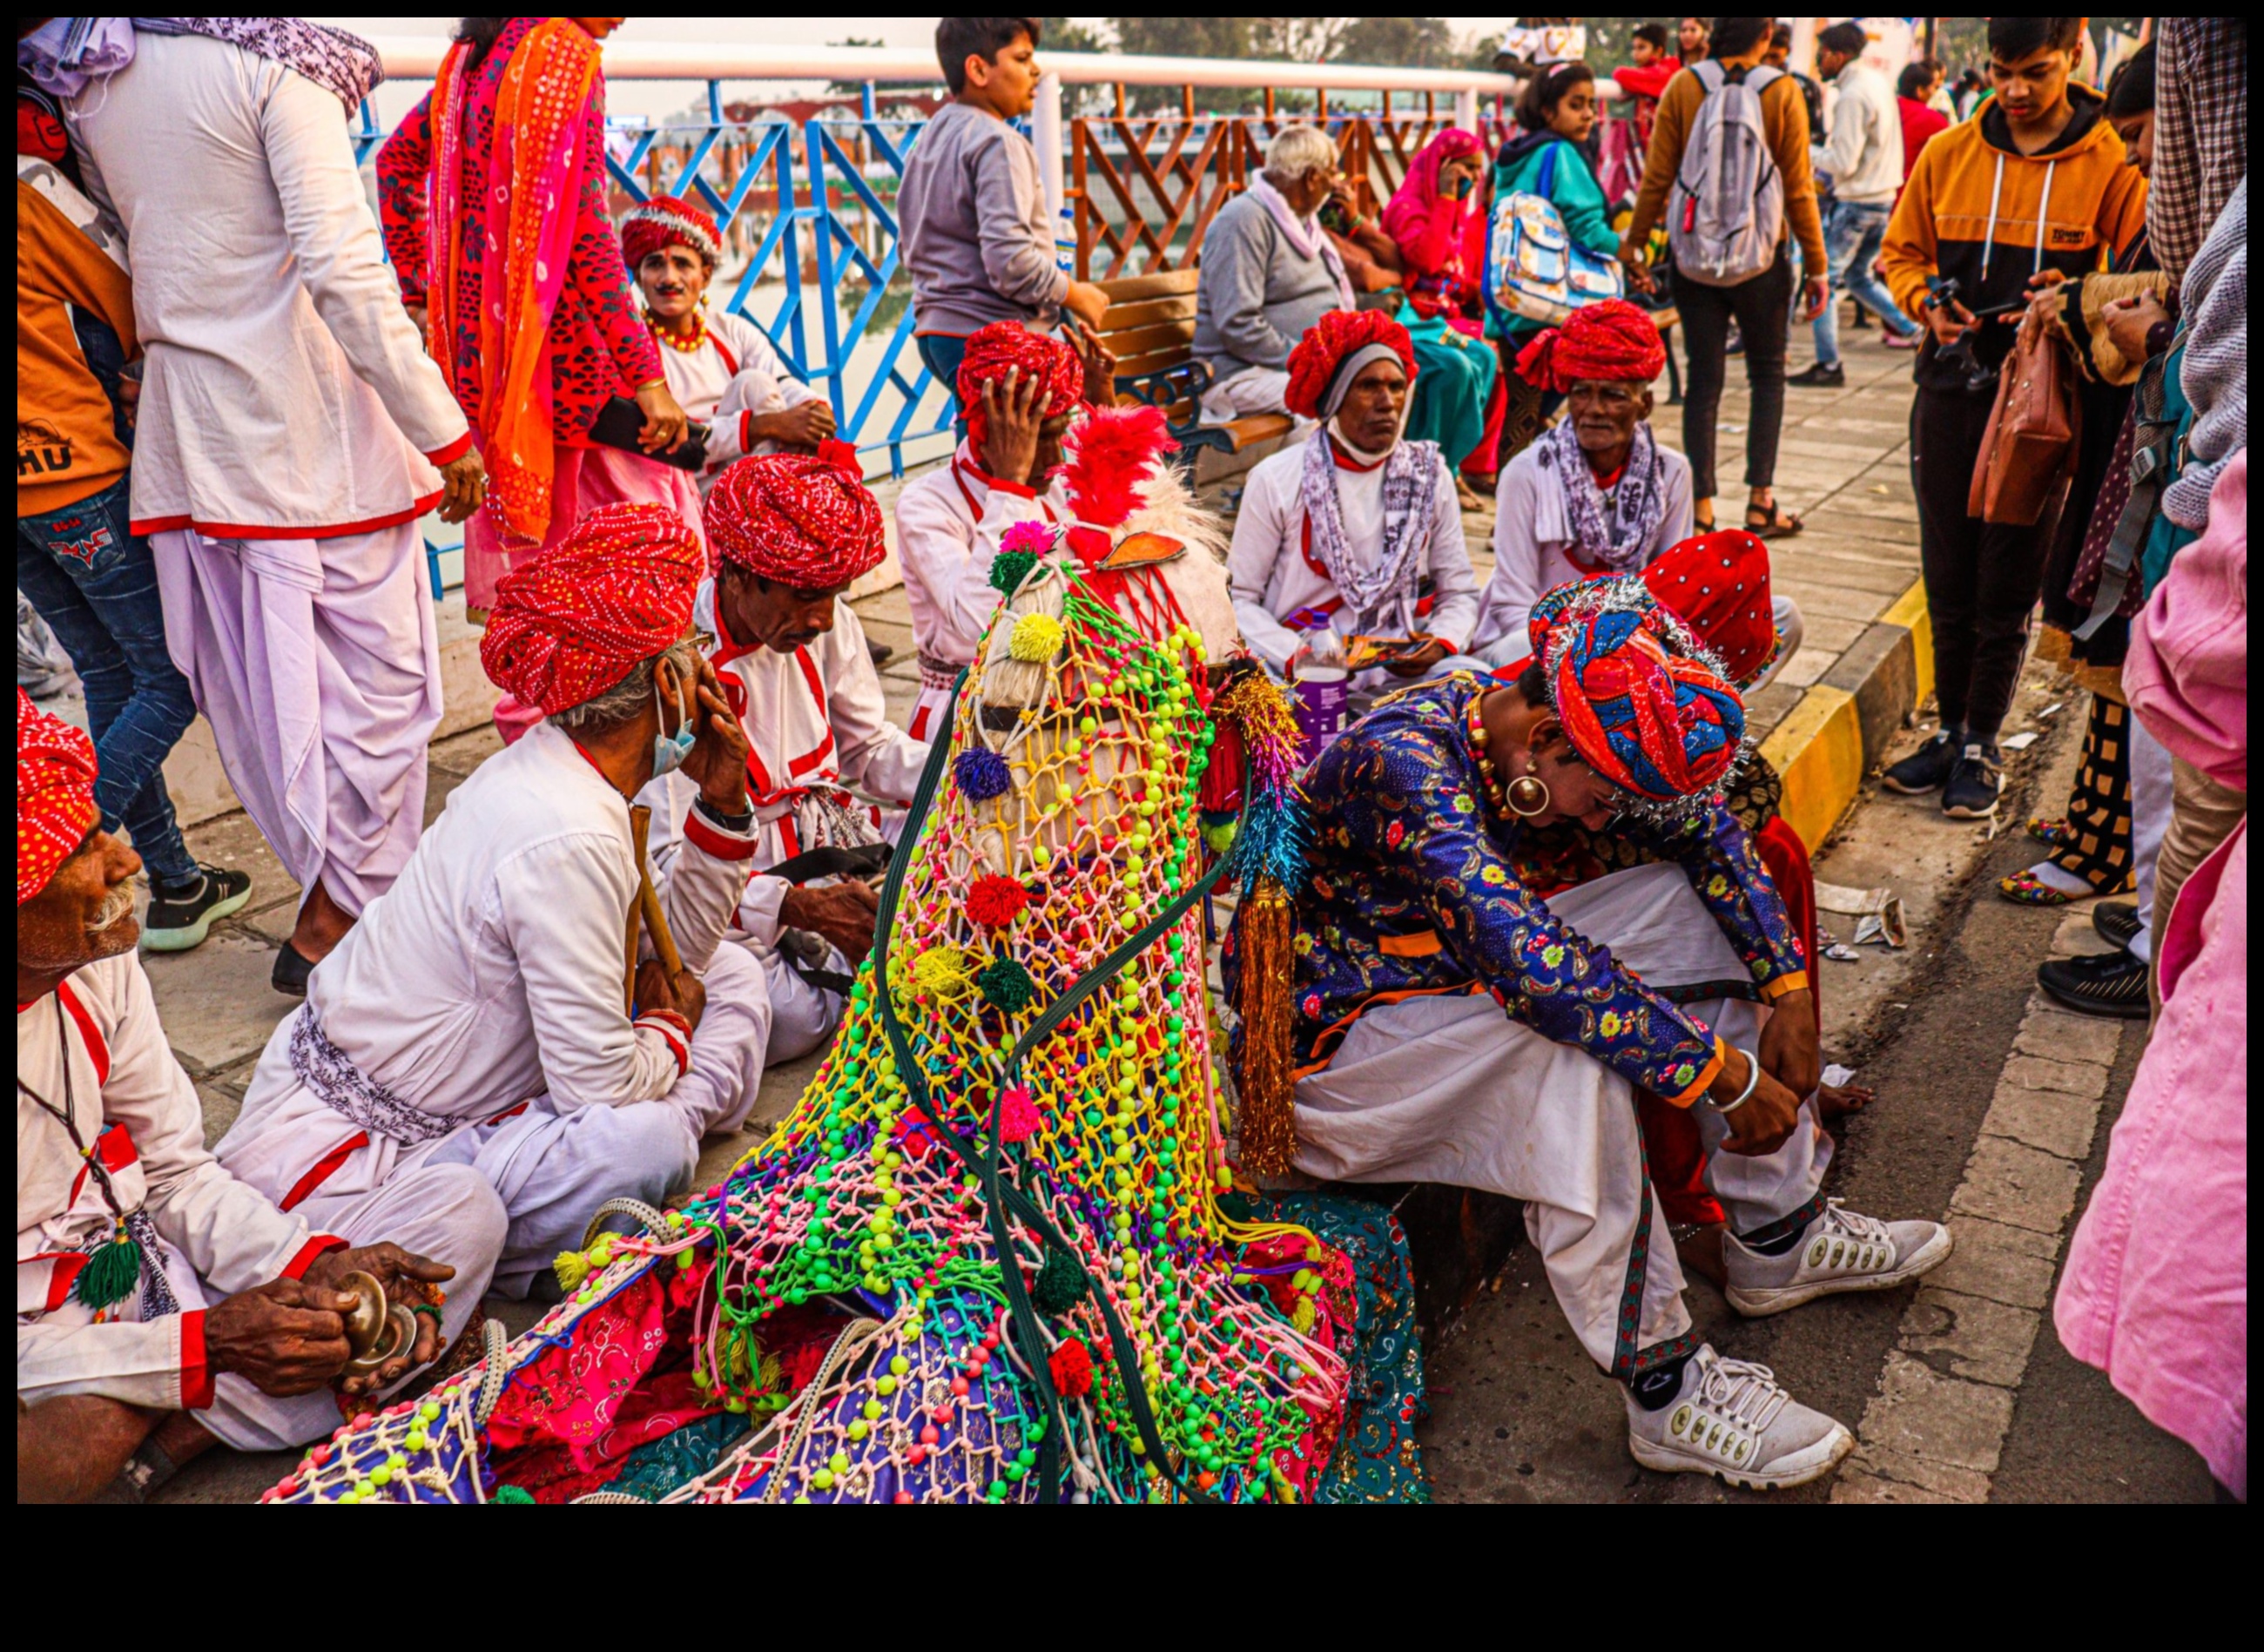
(2027, 453)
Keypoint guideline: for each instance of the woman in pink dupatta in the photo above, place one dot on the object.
(492, 196)
(2156, 1291)
(1436, 219)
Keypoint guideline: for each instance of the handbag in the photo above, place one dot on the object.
(2027, 452)
(1535, 270)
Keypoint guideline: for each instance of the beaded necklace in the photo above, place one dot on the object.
(1487, 778)
(676, 341)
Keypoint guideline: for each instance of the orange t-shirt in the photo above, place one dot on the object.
(66, 444)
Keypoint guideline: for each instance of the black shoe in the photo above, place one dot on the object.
(2104, 983)
(880, 651)
(2116, 921)
(1819, 377)
(1925, 769)
(291, 969)
(180, 918)
(1970, 793)
(1735, 344)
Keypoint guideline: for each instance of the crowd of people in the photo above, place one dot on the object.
(1529, 923)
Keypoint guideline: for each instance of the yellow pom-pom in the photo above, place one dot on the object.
(1037, 639)
(572, 1267)
(943, 971)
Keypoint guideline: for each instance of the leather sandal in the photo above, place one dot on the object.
(1769, 521)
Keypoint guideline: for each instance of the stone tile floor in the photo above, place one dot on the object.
(1843, 464)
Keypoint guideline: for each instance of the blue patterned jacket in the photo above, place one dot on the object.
(1419, 887)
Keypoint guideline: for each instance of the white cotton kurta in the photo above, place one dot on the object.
(289, 426)
(482, 995)
(949, 527)
(217, 1234)
(1281, 592)
(817, 727)
(1449, 1089)
(731, 378)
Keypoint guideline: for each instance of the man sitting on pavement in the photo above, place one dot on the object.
(1453, 1026)
(792, 532)
(163, 1304)
(720, 367)
(1597, 495)
(1348, 534)
(476, 1016)
(1019, 390)
(1267, 274)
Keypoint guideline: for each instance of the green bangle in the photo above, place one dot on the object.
(426, 1308)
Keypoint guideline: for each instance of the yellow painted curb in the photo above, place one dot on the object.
(1818, 752)
(1910, 613)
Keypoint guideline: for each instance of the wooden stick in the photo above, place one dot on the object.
(656, 921)
(637, 829)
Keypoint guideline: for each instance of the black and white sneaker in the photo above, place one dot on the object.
(2116, 921)
(181, 918)
(1925, 769)
(1817, 377)
(2111, 984)
(1974, 785)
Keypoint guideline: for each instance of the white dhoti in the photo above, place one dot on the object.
(1450, 1088)
(318, 663)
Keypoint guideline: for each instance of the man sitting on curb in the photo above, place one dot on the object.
(161, 1303)
(476, 1016)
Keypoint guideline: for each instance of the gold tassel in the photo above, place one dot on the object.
(1269, 1131)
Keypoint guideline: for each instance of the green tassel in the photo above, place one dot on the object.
(110, 1274)
(1061, 1285)
(1009, 569)
(512, 1494)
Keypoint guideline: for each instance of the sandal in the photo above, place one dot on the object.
(2024, 888)
(1769, 521)
(2053, 834)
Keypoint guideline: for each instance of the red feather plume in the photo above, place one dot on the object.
(1113, 450)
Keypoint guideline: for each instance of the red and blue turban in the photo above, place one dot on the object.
(1646, 705)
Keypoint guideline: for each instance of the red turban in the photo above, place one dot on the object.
(1329, 343)
(574, 622)
(1004, 345)
(1614, 341)
(55, 795)
(1719, 585)
(667, 221)
(808, 521)
(1645, 705)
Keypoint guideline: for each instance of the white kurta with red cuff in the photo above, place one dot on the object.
(818, 735)
(1282, 594)
(475, 1016)
(949, 527)
(733, 377)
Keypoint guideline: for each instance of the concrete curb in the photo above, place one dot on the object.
(1844, 723)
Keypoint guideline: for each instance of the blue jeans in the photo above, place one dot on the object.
(941, 353)
(93, 582)
(1852, 233)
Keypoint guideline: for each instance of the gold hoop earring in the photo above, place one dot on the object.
(1529, 795)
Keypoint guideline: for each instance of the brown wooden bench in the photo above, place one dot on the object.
(1150, 327)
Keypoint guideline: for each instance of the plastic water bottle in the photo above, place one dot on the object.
(1065, 241)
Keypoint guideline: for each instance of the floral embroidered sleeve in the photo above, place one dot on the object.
(1717, 855)
(404, 162)
(595, 269)
(1545, 975)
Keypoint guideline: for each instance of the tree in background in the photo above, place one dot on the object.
(1404, 42)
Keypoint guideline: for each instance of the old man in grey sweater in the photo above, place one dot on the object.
(1267, 273)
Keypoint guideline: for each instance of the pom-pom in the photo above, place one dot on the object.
(941, 971)
(1009, 569)
(512, 1494)
(1007, 985)
(982, 774)
(1018, 1114)
(1061, 1284)
(1071, 1366)
(1036, 639)
(571, 1267)
(994, 901)
(1028, 539)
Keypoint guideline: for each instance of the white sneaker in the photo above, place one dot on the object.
(1733, 1420)
(1841, 1251)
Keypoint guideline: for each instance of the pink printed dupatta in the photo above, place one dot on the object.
(537, 165)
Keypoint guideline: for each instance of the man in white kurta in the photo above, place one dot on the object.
(292, 431)
(826, 769)
(110, 1135)
(1359, 532)
(1019, 390)
(475, 1016)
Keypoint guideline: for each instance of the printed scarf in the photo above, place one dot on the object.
(1610, 534)
(1411, 478)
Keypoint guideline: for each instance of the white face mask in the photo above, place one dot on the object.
(669, 751)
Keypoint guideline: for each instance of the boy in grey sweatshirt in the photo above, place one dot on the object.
(976, 235)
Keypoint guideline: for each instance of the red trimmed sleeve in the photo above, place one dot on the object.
(453, 452)
(315, 1245)
(196, 1375)
(713, 841)
(676, 1030)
